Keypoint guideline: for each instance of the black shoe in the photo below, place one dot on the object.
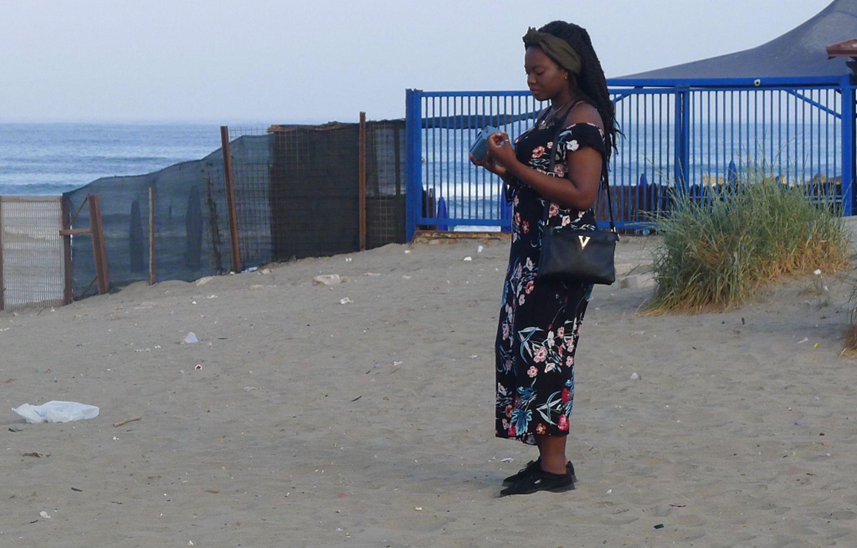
(540, 480)
(533, 466)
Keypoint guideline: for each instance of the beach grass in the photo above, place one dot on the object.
(850, 346)
(719, 249)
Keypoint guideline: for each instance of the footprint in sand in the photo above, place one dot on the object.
(838, 515)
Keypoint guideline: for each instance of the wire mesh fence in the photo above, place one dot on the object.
(32, 269)
(296, 194)
(385, 183)
(310, 183)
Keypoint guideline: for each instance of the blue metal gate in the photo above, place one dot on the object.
(690, 138)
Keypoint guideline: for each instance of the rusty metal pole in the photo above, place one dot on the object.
(230, 199)
(151, 235)
(362, 173)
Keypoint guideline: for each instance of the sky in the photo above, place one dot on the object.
(239, 61)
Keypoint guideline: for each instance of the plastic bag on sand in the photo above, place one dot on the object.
(57, 411)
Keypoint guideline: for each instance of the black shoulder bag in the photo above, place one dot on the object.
(578, 256)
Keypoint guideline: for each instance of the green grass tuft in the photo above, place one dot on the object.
(716, 252)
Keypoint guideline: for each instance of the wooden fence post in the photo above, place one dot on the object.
(102, 244)
(151, 235)
(99, 250)
(362, 172)
(230, 199)
(68, 287)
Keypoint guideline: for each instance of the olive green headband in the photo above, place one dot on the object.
(556, 48)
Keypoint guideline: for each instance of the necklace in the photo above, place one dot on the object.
(552, 116)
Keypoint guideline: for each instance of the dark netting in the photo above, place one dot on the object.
(191, 227)
(385, 183)
(296, 195)
(252, 158)
(314, 190)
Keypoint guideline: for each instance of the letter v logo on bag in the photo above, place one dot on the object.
(584, 240)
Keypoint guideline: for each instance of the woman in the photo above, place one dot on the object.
(540, 321)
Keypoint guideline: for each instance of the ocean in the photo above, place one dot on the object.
(52, 158)
(49, 159)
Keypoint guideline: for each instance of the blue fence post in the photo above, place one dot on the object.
(643, 202)
(442, 213)
(682, 138)
(848, 145)
(731, 174)
(413, 161)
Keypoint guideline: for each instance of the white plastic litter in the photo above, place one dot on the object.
(190, 339)
(327, 279)
(468, 259)
(57, 411)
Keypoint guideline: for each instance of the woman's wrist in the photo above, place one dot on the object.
(514, 169)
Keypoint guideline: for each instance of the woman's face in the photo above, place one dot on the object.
(545, 78)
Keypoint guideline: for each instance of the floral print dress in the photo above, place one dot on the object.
(540, 321)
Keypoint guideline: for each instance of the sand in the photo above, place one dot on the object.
(314, 423)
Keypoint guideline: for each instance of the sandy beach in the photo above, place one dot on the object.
(315, 423)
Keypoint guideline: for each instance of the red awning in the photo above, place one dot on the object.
(847, 48)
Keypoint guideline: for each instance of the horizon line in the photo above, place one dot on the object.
(161, 121)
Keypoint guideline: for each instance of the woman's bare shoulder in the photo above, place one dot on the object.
(585, 113)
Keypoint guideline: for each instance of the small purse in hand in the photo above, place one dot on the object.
(578, 256)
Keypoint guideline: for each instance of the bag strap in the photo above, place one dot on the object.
(541, 116)
(605, 178)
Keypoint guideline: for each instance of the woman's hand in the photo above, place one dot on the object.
(500, 149)
(490, 164)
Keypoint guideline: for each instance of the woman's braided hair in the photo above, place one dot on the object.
(591, 83)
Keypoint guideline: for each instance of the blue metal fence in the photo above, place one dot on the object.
(685, 137)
